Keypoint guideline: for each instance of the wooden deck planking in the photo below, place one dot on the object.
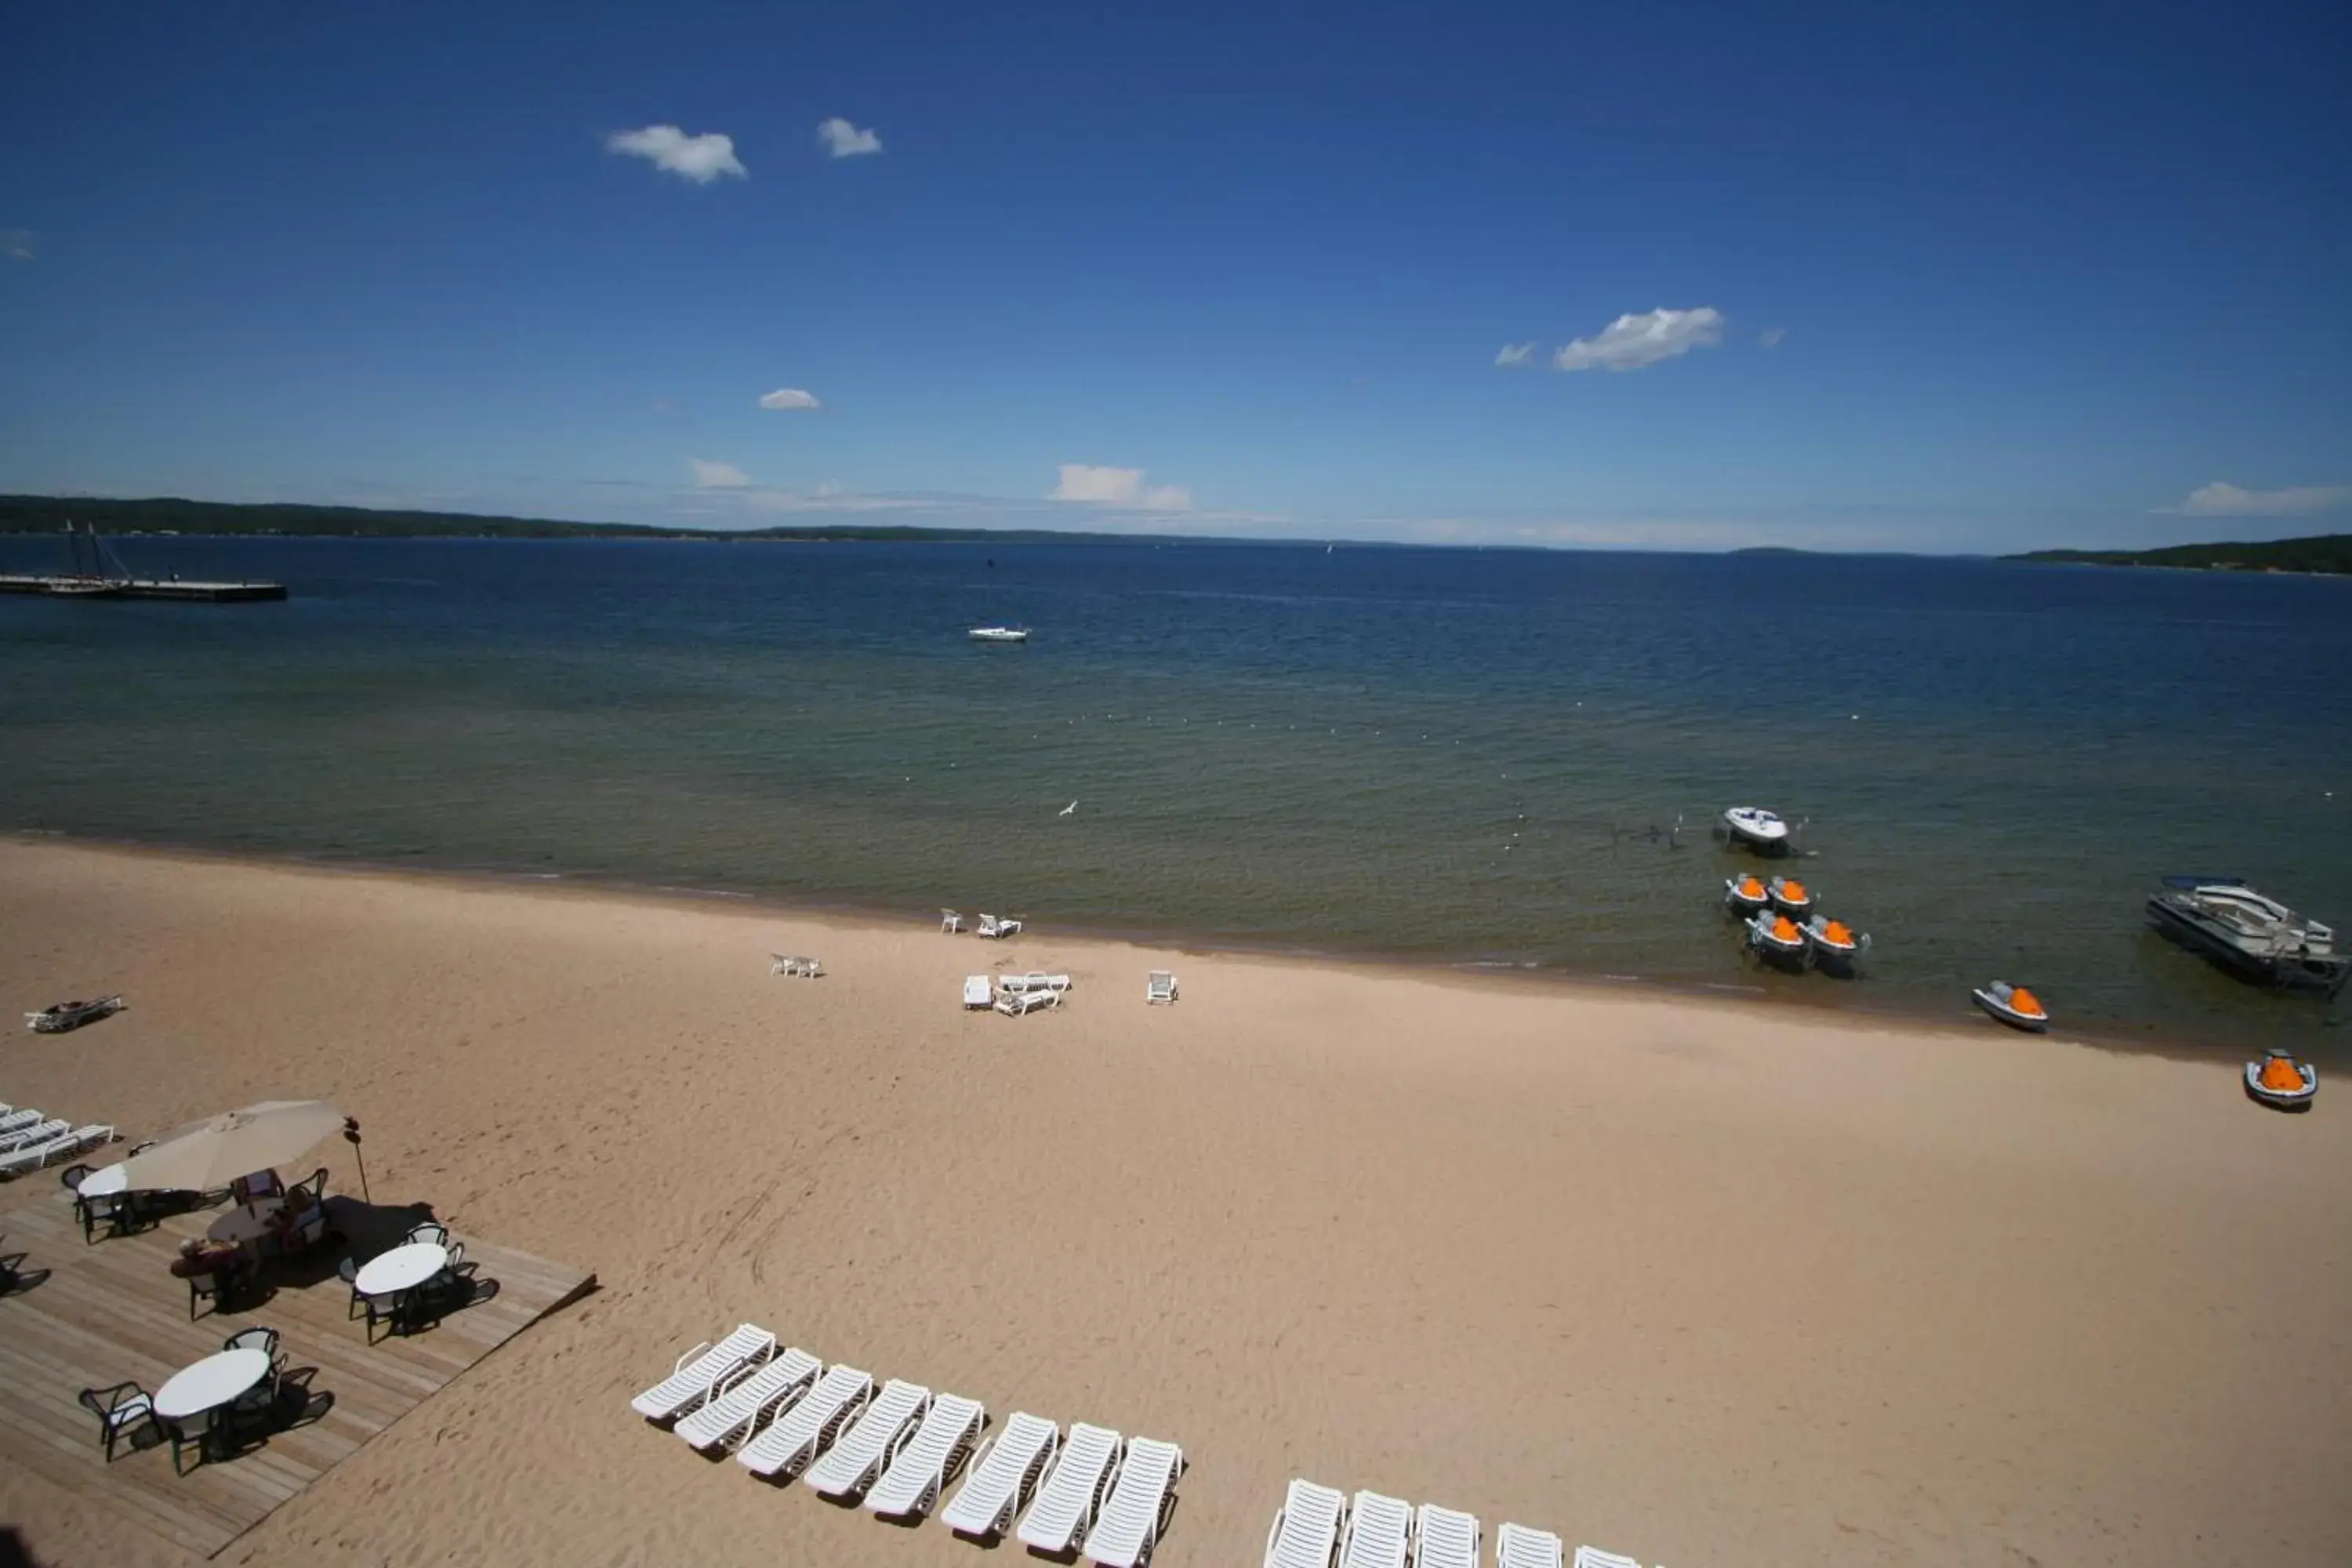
(113, 1312)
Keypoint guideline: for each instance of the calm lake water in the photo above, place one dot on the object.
(1461, 756)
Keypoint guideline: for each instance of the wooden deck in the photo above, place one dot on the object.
(113, 1312)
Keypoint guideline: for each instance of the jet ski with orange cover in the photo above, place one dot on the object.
(1778, 939)
(1789, 896)
(1836, 946)
(2013, 1005)
(1745, 894)
(2282, 1083)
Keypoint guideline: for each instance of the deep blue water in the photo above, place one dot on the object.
(1453, 755)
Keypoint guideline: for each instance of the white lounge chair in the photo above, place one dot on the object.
(1593, 1557)
(1130, 1526)
(977, 992)
(33, 1132)
(700, 1370)
(794, 964)
(12, 1120)
(1379, 1532)
(1014, 1004)
(920, 1470)
(1306, 1532)
(850, 1466)
(949, 921)
(793, 1437)
(33, 1156)
(1052, 982)
(1516, 1546)
(1159, 987)
(999, 927)
(1066, 1499)
(1015, 983)
(738, 1409)
(1006, 1466)
(1449, 1539)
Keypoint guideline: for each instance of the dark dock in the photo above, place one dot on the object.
(63, 587)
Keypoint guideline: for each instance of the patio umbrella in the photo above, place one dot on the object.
(216, 1151)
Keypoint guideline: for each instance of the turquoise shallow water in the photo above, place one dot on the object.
(1451, 756)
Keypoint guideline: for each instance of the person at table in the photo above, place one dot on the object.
(293, 1226)
(199, 1257)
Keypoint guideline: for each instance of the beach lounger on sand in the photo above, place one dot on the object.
(1066, 1500)
(1307, 1529)
(1003, 1471)
(792, 1439)
(1130, 1526)
(1593, 1557)
(949, 921)
(850, 1466)
(920, 1469)
(33, 1156)
(794, 964)
(701, 1370)
(992, 926)
(1379, 1532)
(13, 1121)
(1014, 1003)
(1516, 1546)
(736, 1411)
(977, 992)
(1449, 1539)
(33, 1132)
(1159, 987)
(1015, 983)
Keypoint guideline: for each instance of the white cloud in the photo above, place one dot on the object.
(16, 244)
(1629, 342)
(2220, 499)
(701, 159)
(1100, 486)
(711, 476)
(790, 397)
(844, 140)
(1770, 336)
(1514, 354)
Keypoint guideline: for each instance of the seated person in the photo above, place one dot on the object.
(296, 1222)
(198, 1256)
(255, 1186)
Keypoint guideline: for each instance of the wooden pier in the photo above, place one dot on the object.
(112, 1312)
(67, 587)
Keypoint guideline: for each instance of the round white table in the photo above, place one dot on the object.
(106, 1182)
(401, 1268)
(210, 1384)
(246, 1222)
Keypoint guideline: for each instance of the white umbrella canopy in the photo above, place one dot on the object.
(216, 1151)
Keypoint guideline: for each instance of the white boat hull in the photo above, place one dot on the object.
(2011, 1015)
(2283, 1099)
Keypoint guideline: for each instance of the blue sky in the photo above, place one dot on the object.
(2026, 274)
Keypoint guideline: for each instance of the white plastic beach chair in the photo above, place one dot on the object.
(949, 921)
(977, 992)
(1003, 1471)
(1066, 1499)
(794, 964)
(1306, 1532)
(1015, 983)
(1379, 1532)
(792, 1439)
(1052, 982)
(1130, 1526)
(919, 1469)
(10, 1121)
(850, 1466)
(1593, 1557)
(1016, 1004)
(1516, 1546)
(1449, 1539)
(1159, 987)
(33, 1132)
(738, 1409)
(700, 1370)
(33, 1156)
(987, 927)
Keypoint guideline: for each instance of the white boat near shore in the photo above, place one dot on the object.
(1761, 830)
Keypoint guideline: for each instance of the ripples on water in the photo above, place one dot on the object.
(1451, 755)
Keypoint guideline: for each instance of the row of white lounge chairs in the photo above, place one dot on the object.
(1318, 1525)
(994, 926)
(29, 1140)
(1015, 994)
(893, 1451)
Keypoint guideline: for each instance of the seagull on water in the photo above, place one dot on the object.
(1067, 809)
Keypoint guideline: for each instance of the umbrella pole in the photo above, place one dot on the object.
(352, 1136)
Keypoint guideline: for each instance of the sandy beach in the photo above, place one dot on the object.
(1698, 1283)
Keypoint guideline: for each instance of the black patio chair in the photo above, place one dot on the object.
(124, 1408)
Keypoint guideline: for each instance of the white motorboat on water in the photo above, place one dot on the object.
(2012, 1005)
(1778, 939)
(1836, 946)
(2248, 933)
(1000, 634)
(2282, 1082)
(1759, 829)
(1789, 896)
